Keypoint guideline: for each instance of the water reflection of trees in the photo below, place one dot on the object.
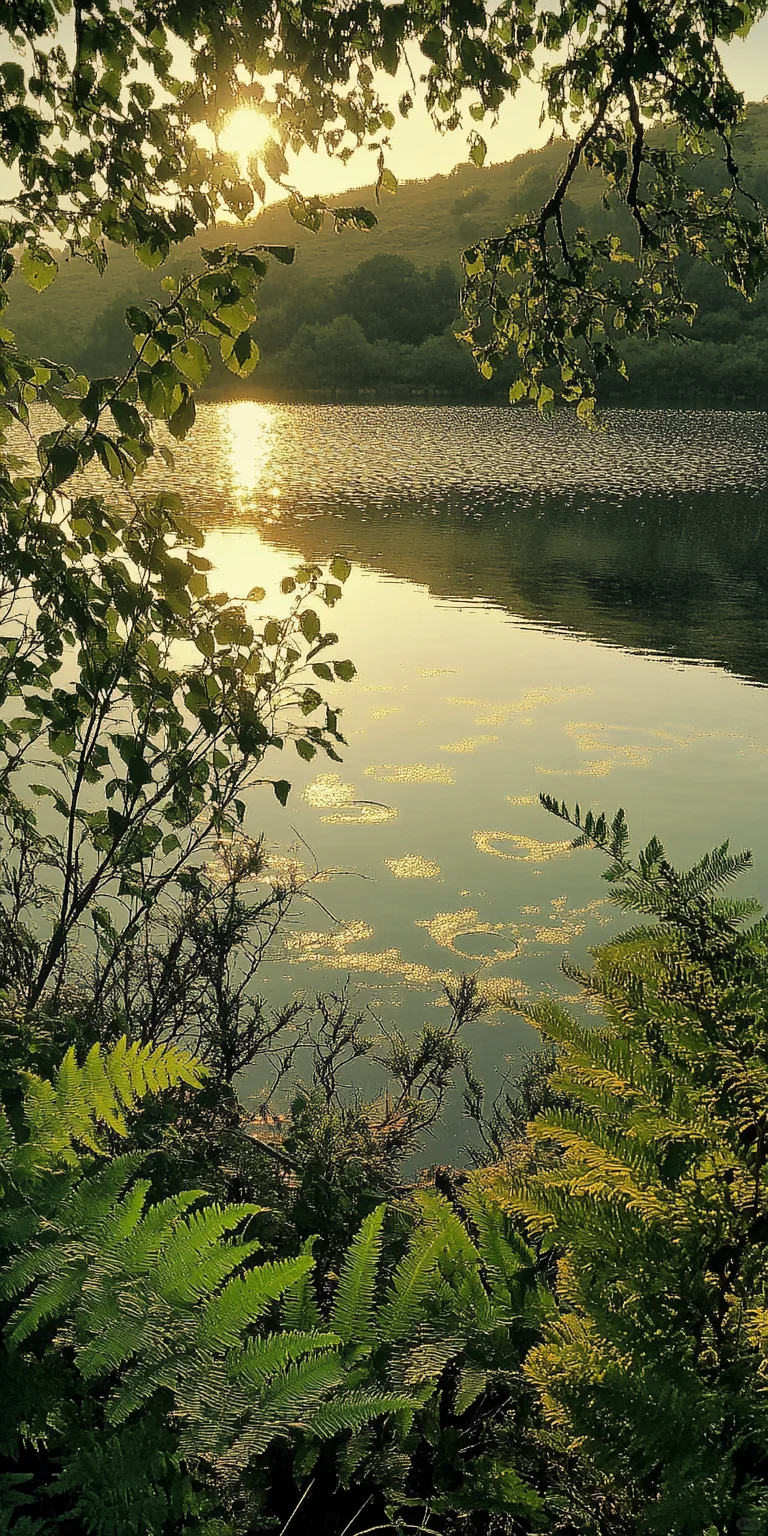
(683, 574)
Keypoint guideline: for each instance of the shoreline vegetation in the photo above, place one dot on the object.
(372, 315)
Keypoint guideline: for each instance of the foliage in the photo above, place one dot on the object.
(163, 1368)
(126, 1318)
(151, 1375)
(152, 693)
(649, 1192)
(411, 305)
(103, 153)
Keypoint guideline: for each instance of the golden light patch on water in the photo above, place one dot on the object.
(530, 911)
(371, 687)
(522, 799)
(363, 813)
(250, 438)
(327, 790)
(334, 949)
(307, 942)
(245, 860)
(436, 671)
(467, 744)
(388, 709)
(413, 867)
(596, 769)
(562, 933)
(323, 950)
(446, 927)
(564, 926)
(502, 992)
(534, 851)
(240, 858)
(590, 736)
(410, 773)
(283, 870)
(292, 874)
(499, 713)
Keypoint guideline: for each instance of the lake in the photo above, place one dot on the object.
(532, 607)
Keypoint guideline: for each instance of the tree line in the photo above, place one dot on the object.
(387, 330)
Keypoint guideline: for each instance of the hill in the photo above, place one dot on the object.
(341, 322)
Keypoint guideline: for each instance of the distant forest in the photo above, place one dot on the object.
(372, 315)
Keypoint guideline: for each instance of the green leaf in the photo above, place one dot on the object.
(183, 417)
(282, 790)
(310, 624)
(340, 568)
(345, 670)
(285, 254)
(39, 267)
(256, 595)
(240, 355)
(192, 360)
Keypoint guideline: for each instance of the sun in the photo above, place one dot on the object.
(245, 133)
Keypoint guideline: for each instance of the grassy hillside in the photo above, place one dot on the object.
(79, 319)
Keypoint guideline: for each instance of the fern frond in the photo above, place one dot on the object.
(152, 1233)
(508, 1261)
(300, 1312)
(353, 1410)
(353, 1303)
(291, 1396)
(46, 1302)
(245, 1299)
(71, 1111)
(261, 1359)
(194, 1260)
(92, 1200)
(410, 1284)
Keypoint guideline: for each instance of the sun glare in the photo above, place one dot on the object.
(245, 133)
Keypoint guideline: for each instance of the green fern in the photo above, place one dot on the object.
(350, 1413)
(245, 1299)
(352, 1313)
(74, 1109)
(261, 1359)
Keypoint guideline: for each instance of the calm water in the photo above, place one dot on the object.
(531, 608)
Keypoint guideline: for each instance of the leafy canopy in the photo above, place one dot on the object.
(101, 125)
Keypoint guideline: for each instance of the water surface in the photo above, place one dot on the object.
(531, 607)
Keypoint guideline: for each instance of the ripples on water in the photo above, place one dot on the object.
(312, 456)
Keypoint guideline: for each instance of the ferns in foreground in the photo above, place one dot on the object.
(581, 1348)
(159, 1371)
(650, 1190)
